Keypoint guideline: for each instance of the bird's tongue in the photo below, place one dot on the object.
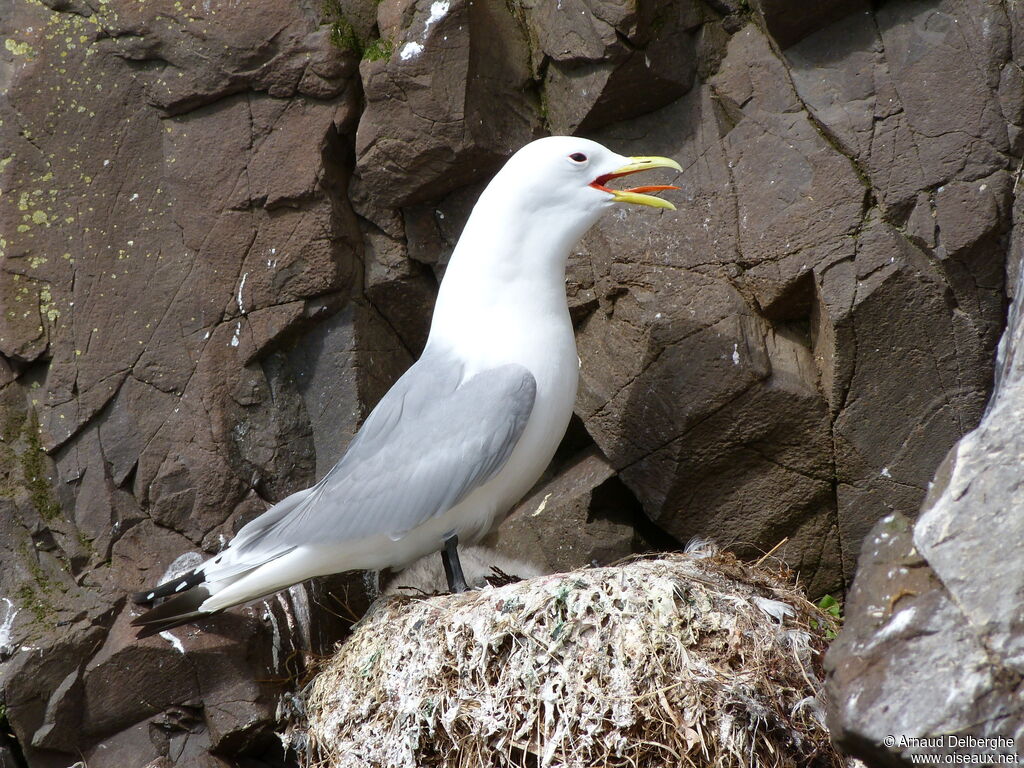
(601, 182)
(655, 188)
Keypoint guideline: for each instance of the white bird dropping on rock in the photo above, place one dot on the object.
(470, 426)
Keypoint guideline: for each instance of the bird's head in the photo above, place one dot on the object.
(573, 177)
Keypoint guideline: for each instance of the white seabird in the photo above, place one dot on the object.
(470, 427)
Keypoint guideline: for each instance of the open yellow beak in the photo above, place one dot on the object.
(637, 194)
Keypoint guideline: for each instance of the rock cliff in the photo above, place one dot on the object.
(222, 226)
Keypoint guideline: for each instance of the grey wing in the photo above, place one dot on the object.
(431, 441)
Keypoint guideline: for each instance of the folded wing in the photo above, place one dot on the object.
(430, 441)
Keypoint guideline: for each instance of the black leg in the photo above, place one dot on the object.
(452, 566)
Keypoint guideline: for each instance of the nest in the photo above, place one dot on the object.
(683, 660)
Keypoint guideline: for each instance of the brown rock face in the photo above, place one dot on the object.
(939, 601)
(450, 102)
(221, 231)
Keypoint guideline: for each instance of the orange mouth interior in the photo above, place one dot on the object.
(601, 183)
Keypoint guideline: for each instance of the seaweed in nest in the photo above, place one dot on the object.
(696, 660)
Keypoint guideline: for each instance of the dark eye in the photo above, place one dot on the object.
(578, 157)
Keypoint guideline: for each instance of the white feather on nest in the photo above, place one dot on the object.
(675, 661)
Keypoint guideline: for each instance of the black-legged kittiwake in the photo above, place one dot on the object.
(470, 427)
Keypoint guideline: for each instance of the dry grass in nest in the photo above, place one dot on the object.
(684, 660)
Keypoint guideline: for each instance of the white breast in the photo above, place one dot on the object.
(545, 345)
(502, 301)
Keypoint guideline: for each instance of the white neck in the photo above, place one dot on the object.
(508, 268)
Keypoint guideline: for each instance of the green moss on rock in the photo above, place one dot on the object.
(11, 422)
(36, 603)
(23, 461)
(33, 468)
(342, 33)
(379, 49)
(343, 36)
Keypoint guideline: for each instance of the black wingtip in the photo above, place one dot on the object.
(181, 609)
(170, 588)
